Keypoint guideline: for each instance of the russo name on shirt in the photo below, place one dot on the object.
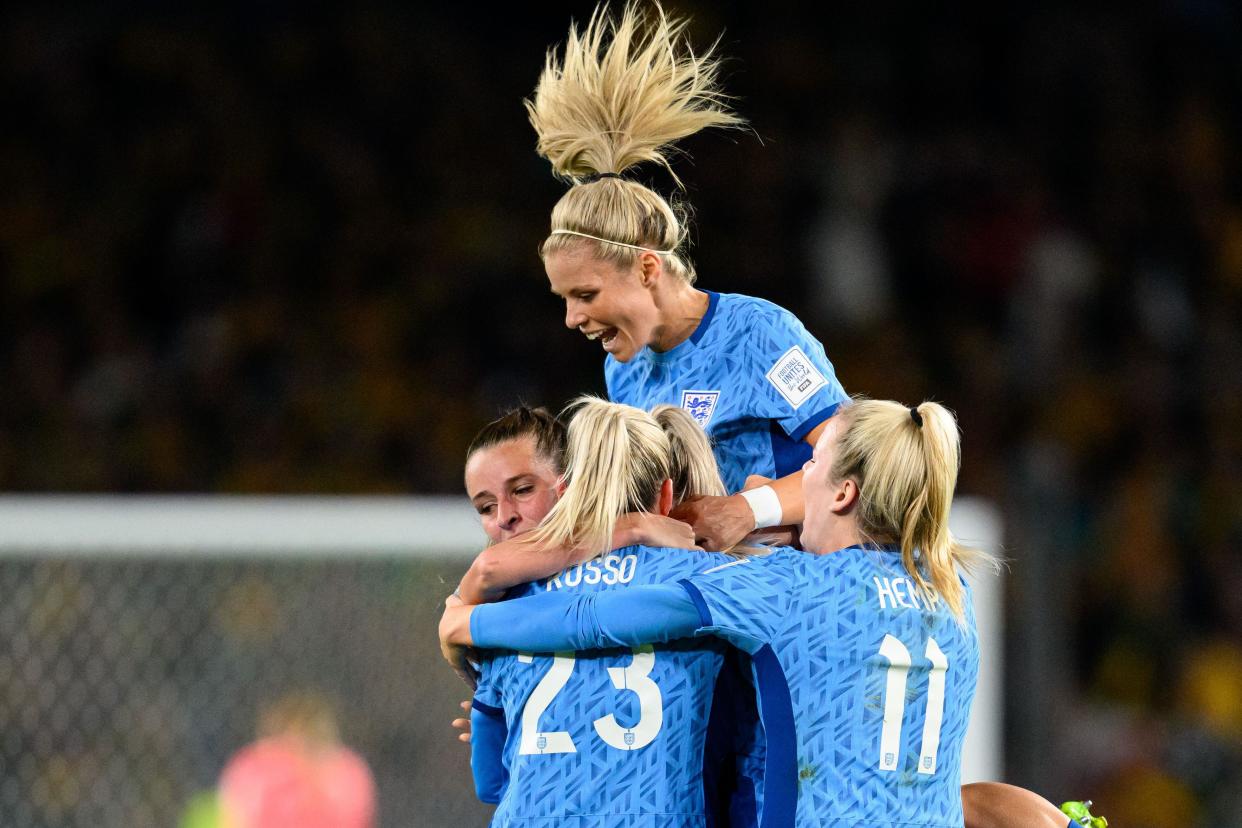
(608, 570)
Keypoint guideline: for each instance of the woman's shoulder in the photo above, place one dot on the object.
(742, 314)
(740, 303)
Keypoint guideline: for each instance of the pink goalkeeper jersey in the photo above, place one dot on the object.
(275, 783)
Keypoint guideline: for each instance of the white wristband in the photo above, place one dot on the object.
(766, 505)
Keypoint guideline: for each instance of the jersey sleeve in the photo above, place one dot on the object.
(488, 732)
(745, 602)
(790, 375)
(560, 621)
(487, 744)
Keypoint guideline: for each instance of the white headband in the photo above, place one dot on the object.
(609, 241)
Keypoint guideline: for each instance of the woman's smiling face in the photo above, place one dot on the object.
(603, 302)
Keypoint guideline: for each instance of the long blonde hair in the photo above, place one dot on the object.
(624, 93)
(905, 462)
(616, 460)
(691, 462)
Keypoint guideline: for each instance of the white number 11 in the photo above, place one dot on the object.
(895, 703)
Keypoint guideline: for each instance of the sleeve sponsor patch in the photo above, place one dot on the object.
(795, 377)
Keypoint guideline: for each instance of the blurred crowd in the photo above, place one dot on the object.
(274, 250)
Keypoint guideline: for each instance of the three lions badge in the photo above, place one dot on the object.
(701, 405)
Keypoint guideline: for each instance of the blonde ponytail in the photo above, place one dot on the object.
(905, 461)
(692, 465)
(623, 93)
(616, 461)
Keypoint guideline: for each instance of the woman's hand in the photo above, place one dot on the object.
(463, 724)
(455, 640)
(719, 522)
(653, 530)
(458, 657)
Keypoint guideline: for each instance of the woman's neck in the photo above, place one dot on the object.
(843, 536)
(680, 309)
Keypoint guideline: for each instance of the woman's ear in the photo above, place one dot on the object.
(664, 504)
(845, 497)
(650, 269)
(561, 486)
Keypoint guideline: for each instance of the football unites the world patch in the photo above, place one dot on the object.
(795, 377)
(701, 405)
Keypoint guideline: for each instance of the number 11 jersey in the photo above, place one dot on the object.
(864, 687)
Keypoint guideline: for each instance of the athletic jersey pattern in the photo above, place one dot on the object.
(616, 737)
(862, 728)
(750, 374)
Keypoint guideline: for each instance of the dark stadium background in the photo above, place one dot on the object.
(269, 249)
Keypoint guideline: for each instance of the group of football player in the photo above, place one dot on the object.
(728, 595)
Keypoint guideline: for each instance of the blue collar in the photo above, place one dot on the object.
(873, 547)
(713, 299)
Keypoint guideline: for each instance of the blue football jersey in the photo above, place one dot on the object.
(864, 688)
(606, 738)
(750, 374)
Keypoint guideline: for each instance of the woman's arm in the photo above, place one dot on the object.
(788, 534)
(723, 522)
(487, 744)
(515, 561)
(997, 805)
(560, 621)
(507, 564)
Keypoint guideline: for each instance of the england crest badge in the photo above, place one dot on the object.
(701, 405)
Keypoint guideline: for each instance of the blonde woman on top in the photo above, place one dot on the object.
(620, 94)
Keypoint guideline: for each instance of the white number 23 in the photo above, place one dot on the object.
(632, 678)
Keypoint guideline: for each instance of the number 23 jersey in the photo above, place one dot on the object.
(606, 738)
